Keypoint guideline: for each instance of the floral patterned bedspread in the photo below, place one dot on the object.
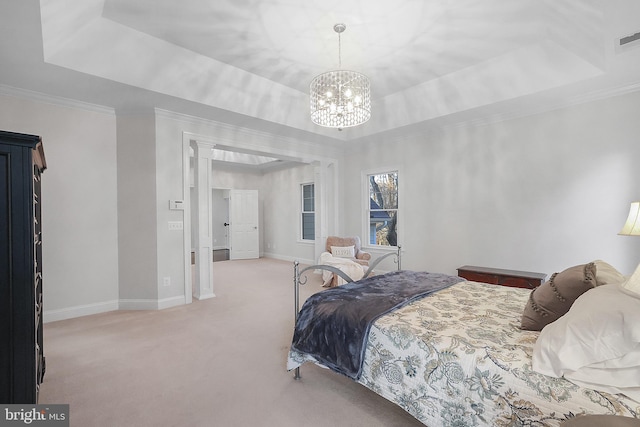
(459, 358)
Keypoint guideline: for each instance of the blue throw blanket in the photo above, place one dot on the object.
(333, 325)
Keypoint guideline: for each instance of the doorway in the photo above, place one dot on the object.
(220, 224)
(235, 224)
(244, 233)
(200, 164)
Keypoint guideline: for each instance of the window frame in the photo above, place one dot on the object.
(303, 211)
(366, 208)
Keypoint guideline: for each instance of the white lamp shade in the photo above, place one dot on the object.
(632, 226)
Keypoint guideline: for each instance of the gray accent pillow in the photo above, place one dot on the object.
(551, 300)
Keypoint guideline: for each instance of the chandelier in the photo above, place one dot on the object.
(340, 98)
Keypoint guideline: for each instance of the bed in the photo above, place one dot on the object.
(457, 356)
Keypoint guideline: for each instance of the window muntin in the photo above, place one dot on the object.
(382, 212)
(308, 216)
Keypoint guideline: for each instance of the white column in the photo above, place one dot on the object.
(203, 225)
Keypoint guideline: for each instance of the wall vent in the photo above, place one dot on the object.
(629, 39)
(628, 42)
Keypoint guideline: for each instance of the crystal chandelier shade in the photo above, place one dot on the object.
(340, 98)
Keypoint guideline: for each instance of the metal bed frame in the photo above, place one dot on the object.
(299, 279)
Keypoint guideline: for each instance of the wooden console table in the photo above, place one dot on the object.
(498, 276)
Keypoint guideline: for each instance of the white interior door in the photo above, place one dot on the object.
(243, 215)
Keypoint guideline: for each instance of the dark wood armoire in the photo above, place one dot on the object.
(22, 363)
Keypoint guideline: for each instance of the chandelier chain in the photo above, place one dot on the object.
(339, 52)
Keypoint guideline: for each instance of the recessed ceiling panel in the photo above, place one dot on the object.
(255, 59)
(398, 44)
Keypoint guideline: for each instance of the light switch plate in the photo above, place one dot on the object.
(176, 205)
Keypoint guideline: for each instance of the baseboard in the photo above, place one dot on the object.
(171, 302)
(79, 311)
(150, 304)
(288, 258)
(103, 307)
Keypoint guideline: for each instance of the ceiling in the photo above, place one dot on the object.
(249, 62)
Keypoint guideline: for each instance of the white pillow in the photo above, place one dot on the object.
(632, 284)
(611, 376)
(596, 344)
(606, 274)
(343, 251)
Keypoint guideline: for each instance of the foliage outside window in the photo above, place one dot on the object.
(383, 209)
(308, 212)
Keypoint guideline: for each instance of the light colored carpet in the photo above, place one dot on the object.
(217, 362)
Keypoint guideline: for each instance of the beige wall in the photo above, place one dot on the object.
(537, 193)
(79, 202)
(137, 220)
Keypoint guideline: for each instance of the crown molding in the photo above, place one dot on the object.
(446, 122)
(583, 98)
(330, 150)
(54, 100)
(253, 139)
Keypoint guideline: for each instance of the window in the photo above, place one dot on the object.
(308, 212)
(383, 208)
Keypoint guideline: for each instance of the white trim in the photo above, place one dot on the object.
(171, 302)
(532, 110)
(204, 296)
(289, 258)
(203, 180)
(54, 100)
(365, 206)
(302, 211)
(150, 304)
(244, 138)
(186, 216)
(379, 249)
(306, 242)
(115, 305)
(79, 311)
(138, 304)
(451, 122)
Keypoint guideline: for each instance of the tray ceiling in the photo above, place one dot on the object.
(251, 61)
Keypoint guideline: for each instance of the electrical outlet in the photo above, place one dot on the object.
(166, 281)
(176, 225)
